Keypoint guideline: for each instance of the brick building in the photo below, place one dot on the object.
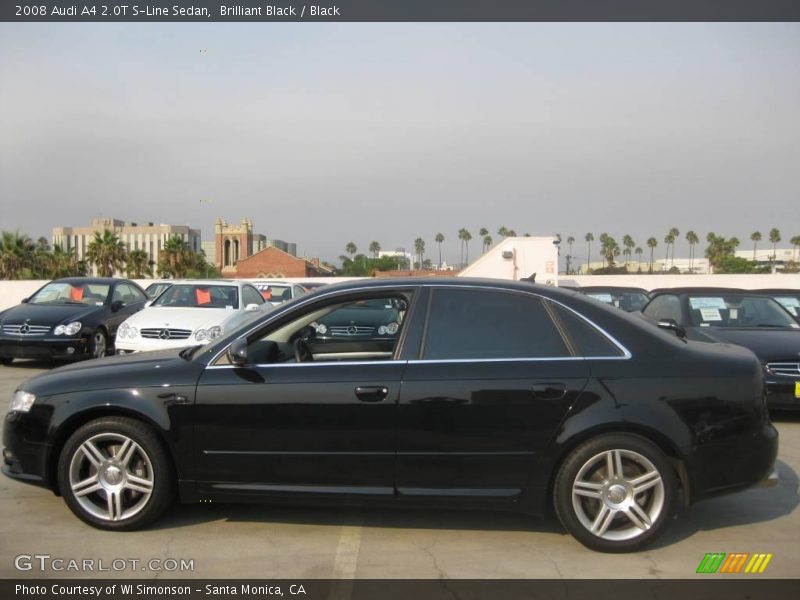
(274, 263)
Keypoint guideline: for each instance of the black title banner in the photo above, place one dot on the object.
(386, 589)
(399, 10)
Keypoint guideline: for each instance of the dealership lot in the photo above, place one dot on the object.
(288, 542)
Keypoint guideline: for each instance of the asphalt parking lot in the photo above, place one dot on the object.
(297, 543)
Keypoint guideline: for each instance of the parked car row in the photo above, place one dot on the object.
(82, 317)
(481, 393)
(767, 322)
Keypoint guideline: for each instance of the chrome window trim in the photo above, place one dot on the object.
(626, 354)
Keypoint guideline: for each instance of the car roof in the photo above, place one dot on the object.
(229, 282)
(795, 292)
(699, 290)
(611, 288)
(85, 280)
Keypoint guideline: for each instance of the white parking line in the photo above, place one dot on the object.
(345, 562)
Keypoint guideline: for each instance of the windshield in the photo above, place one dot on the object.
(154, 289)
(89, 294)
(790, 303)
(199, 296)
(738, 311)
(630, 301)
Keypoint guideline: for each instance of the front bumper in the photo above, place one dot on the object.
(23, 458)
(148, 345)
(50, 347)
(782, 392)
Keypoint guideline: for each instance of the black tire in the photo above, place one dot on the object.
(611, 504)
(6, 360)
(99, 337)
(149, 462)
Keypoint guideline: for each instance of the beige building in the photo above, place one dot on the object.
(149, 237)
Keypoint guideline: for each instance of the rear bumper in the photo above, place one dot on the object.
(63, 348)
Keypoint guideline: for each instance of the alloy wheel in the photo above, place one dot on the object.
(618, 495)
(111, 476)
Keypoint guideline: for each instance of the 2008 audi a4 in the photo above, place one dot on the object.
(481, 393)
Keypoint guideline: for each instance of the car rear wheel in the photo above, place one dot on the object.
(115, 474)
(98, 345)
(615, 493)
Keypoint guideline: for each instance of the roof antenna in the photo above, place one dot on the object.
(532, 278)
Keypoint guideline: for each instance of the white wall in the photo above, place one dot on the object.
(650, 282)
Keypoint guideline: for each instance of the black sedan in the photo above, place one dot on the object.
(630, 299)
(739, 317)
(69, 318)
(495, 394)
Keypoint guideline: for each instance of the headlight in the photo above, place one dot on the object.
(70, 329)
(206, 335)
(382, 330)
(22, 402)
(392, 328)
(321, 329)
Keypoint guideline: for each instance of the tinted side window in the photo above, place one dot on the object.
(485, 324)
(134, 295)
(667, 306)
(587, 340)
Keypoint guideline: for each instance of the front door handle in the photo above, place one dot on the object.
(174, 398)
(374, 393)
(550, 391)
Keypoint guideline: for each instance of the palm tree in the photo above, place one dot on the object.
(673, 234)
(439, 239)
(466, 237)
(774, 238)
(755, 237)
(638, 253)
(503, 231)
(483, 233)
(487, 241)
(628, 242)
(693, 240)
(419, 247)
(351, 249)
(589, 237)
(138, 266)
(652, 243)
(374, 247)
(795, 241)
(570, 241)
(603, 247)
(176, 258)
(17, 253)
(107, 252)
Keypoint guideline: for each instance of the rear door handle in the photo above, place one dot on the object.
(550, 391)
(374, 393)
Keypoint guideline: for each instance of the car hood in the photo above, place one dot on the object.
(144, 369)
(43, 314)
(769, 345)
(181, 318)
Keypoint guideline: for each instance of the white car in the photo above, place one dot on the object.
(278, 292)
(189, 313)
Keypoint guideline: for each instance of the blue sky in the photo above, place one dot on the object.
(327, 133)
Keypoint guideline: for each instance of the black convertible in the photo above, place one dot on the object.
(69, 318)
(741, 317)
(493, 394)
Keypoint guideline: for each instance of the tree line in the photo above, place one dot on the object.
(23, 258)
(720, 252)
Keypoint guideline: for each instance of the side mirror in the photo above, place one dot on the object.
(116, 305)
(252, 308)
(237, 352)
(672, 325)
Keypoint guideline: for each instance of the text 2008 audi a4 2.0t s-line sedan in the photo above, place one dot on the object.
(493, 394)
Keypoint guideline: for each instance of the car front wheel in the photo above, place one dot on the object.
(115, 474)
(615, 493)
(98, 345)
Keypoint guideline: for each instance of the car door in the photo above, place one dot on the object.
(279, 426)
(493, 381)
